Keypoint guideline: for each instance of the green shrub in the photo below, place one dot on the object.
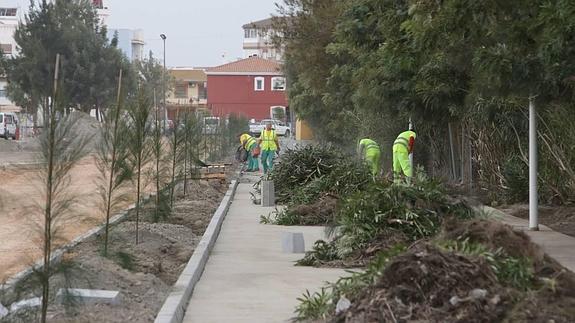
(517, 178)
(322, 252)
(125, 260)
(416, 211)
(304, 173)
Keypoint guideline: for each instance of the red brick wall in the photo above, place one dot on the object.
(235, 94)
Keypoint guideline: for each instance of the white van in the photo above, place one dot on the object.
(8, 125)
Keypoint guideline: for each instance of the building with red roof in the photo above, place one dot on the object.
(248, 87)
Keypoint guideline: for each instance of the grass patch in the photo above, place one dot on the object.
(125, 260)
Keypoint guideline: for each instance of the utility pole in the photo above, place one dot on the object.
(163, 36)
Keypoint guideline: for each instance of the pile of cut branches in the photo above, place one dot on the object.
(384, 214)
(311, 180)
(476, 270)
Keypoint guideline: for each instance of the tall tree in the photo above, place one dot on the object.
(89, 60)
(306, 28)
(140, 113)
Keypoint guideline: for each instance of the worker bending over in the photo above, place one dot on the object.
(250, 145)
(269, 144)
(402, 148)
(370, 152)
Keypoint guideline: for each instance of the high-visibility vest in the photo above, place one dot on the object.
(247, 141)
(401, 144)
(268, 140)
(369, 145)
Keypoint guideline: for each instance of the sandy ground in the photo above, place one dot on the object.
(155, 263)
(21, 195)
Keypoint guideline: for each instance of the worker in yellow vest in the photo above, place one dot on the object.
(250, 144)
(402, 148)
(370, 152)
(269, 145)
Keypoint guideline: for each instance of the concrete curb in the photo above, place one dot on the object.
(58, 253)
(18, 166)
(175, 305)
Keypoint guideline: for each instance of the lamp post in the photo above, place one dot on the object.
(163, 36)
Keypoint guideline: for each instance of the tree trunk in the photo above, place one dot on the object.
(138, 197)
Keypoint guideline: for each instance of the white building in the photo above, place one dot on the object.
(10, 14)
(131, 42)
(258, 40)
(103, 11)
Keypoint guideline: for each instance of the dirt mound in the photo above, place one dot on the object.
(554, 302)
(494, 235)
(321, 212)
(428, 284)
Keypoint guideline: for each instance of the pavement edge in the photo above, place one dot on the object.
(174, 307)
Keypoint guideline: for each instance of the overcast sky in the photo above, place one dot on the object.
(198, 32)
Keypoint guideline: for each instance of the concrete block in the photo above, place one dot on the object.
(89, 296)
(3, 311)
(293, 242)
(26, 303)
(268, 194)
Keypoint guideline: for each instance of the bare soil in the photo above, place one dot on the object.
(558, 218)
(144, 272)
(21, 196)
(21, 214)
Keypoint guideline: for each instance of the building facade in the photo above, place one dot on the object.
(258, 40)
(189, 93)
(249, 87)
(10, 15)
(103, 11)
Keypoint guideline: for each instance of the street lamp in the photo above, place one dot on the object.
(163, 36)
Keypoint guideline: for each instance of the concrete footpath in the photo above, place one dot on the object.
(247, 277)
(559, 246)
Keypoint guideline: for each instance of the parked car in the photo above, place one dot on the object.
(211, 125)
(8, 125)
(281, 128)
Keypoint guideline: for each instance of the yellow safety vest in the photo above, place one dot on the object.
(268, 140)
(401, 144)
(247, 141)
(370, 145)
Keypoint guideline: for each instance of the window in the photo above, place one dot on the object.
(8, 12)
(202, 91)
(2, 92)
(250, 33)
(6, 48)
(278, 83)
(98, 4)
(259, 84)
(181, 91)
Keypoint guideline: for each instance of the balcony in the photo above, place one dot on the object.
(186, 101)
